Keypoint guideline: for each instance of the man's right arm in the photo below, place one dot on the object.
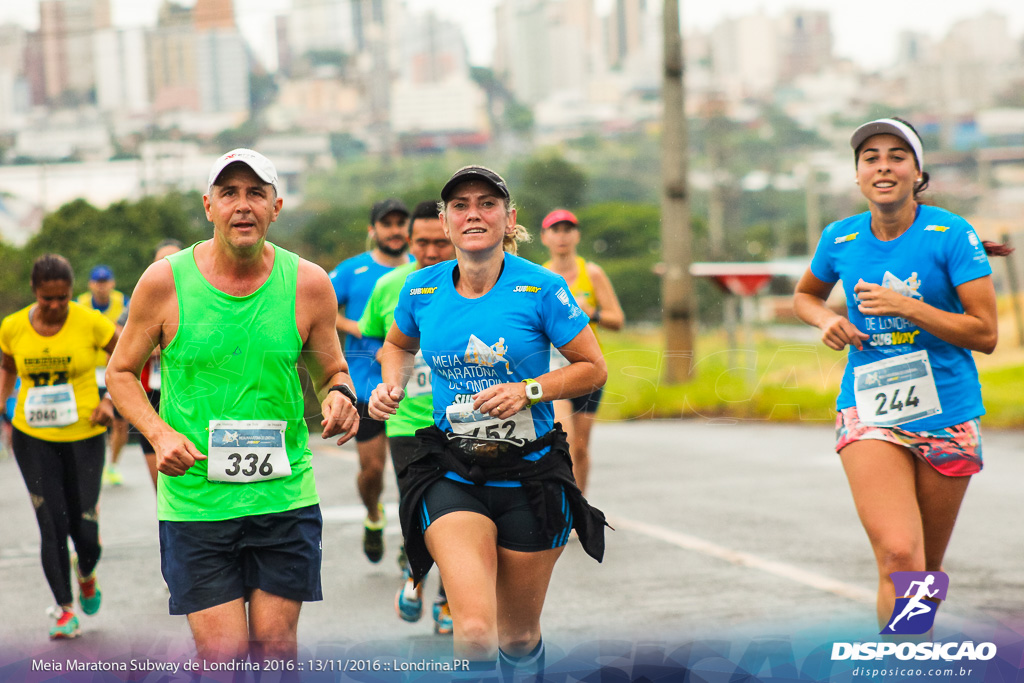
(346, 326)
(152, 319)
(339, 281)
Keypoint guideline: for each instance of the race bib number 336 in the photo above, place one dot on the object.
(896, 390)
(244, 451)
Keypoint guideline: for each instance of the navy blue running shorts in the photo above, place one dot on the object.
(507, 506)
(206, 564)
(587, 403)
(368, 427)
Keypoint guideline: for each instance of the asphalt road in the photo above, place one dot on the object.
(731, 533)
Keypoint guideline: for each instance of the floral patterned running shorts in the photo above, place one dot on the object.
(954, 451)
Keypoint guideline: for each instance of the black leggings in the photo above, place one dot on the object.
(63, 481)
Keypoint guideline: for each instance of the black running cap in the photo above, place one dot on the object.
(474, 172)
(386, 206)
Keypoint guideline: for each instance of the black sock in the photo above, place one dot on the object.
(532, 662)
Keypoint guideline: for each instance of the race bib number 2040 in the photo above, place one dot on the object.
(245, 451)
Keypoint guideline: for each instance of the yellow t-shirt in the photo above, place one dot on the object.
(67, 358)
(582, 287)
(113, 314)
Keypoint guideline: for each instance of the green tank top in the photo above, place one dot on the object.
(234, 358)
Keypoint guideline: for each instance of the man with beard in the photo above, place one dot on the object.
(353, 281)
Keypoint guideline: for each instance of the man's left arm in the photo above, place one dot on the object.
(315, 312)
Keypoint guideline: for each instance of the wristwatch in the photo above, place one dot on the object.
(534, 391)
(345, 390)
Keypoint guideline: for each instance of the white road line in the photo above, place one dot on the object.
(357, 513)
(742, 559)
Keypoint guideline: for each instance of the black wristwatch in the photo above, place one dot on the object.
(345, 390)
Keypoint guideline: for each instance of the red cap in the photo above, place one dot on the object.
(559, 216)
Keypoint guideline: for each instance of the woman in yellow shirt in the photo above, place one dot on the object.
(593, 291)
(59, 422)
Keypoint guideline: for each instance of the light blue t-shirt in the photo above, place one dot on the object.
(353, 280)
(503, 336)
(939, 252)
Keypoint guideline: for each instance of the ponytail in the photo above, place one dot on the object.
(997, 248)
(511, 242)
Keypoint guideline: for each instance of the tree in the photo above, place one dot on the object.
(123, 236)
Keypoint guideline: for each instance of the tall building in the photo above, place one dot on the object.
(321, 25)
(122, 81)
(285, 53)
(213, 15)
(625, 30)
(564, 40)
(966, 69)
(806, 43)
(66, 29)
(434, 102)
(223, 67)
(634, 38)
(430, 50)
(745, 55)
(14, 85)
(198, 60)
(174, 77)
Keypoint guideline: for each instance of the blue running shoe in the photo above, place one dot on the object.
(443, 619)
(409, 600)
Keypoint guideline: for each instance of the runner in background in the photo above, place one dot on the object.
(490, 497)
(429, 245)
(594, 293)
(353, 281)
(58, 427)
(150, 376)
(103, 297)
(919, 300)
(6, 430)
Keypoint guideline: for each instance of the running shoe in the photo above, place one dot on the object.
(402, 560)
(442, 618)
(89, 594)
(409, 601)
(112, 475)
(67, 623)
(373, 537)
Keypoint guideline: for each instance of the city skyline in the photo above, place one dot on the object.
(864, 32)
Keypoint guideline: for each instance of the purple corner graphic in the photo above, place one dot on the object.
(914, 612)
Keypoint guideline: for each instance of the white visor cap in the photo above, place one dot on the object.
(889, 127)
(259, 164)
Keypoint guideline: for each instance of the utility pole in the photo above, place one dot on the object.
(676, 283)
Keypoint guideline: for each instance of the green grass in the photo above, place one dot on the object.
(767, 379)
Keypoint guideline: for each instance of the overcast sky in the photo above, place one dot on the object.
(864, 30)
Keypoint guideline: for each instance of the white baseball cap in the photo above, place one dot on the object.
(889, 127)
(259, 164)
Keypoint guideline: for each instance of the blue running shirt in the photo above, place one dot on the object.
(353, 281)
(503, 336)
(939, 252)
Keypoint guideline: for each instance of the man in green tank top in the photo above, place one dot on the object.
(237, 502)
